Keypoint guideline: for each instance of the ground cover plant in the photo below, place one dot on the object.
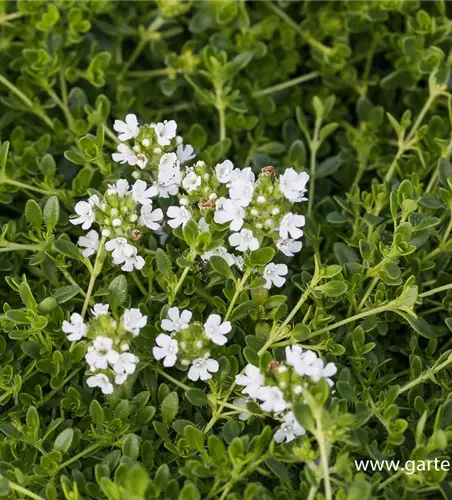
(225, 249)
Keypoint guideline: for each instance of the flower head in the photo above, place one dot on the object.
(165, 131)
(293, 185)
(243, 241)
(273, 275)
(223, 171)
(290, 429)
(179, 215)
(289, 247)
(134, 321)
(185, 153)
(177, 320)
(202, 369)
(272, 399)
(150, 218)
(253, 380)
(102, 381)
(229, 211)
(290, 226)
(128, 129)
(99, 310)
(215, 330)
(125, 366)
(141, 193)
(76, 328)
(125, 155)
(166, 349)
(90, 243)
(101, 353)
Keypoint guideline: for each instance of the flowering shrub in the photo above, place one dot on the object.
(225, 249)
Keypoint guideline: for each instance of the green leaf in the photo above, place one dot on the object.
(66, 293)
(117, 292)
(131, 446)
(221, 266)
(63, 441)
(67, 248)
(51, 213)
(262, 256)
(194, 437)
(27, 296)
(359, 490)
(33, 214)
(297, 154)
(170, 407)
(163, 263)
(241, 311)
(333, 288)
(97, 413)
(189, 492)
(196, 397)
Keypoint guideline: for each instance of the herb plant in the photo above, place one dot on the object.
(225, 250)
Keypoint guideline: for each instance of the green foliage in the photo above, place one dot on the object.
(356, 94)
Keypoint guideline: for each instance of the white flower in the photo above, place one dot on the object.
(169, 175)
(85, 211)
(101, 353)
(290, 225)
(100, 380)
(244, 240)
(202, 368)
(129, 128)
(76, 328)
(242, 176)
(215, 330)
(134, 321)
(185, 153)
(272, 399)
(176, 320)
(125, 155)
(229, 211)
(289, 430)
(166, 349)
(273, 275)
(191, 181)
(307, 363)
(149, 217)
(99, 309)
(241, 403)
(289, 247)
(133, 261)
(142, 194)
(165, 131)
(179, 215)
(241, 192)
(223, 171)
(90, 243)
(293, 185)
(120, 249)
(253, 380)
(121, 188)
(220, 252)
(125, 366)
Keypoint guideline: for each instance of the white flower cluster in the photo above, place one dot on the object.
(107, 355)
(191, 343)
(258, 208)
(123, 213)
(141, 145)
(284, 384)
